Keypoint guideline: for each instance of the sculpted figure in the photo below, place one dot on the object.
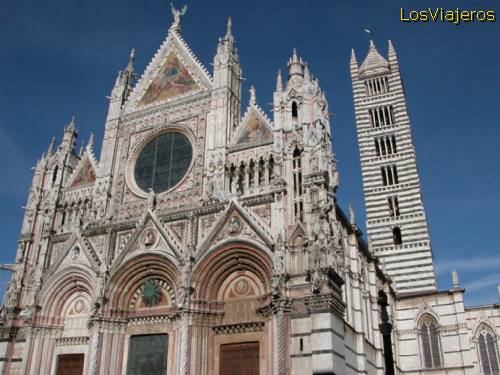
(151, 200)
(177, 15)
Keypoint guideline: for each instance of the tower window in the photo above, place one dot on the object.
(376, 86)
(298, 204)
(389, 175)
(295, 112)
(487, 348)
(396, 236)
(393, 206)
(377, 147)
(382, 116)
(430, 343)
(393, 144)
(385, 145)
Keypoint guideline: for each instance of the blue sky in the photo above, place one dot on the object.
(60, 58)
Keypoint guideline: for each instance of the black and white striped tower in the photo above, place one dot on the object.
(395, 215)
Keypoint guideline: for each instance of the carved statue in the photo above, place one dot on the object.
(234, 225)
(279, 264)
(352, 219)
(151, 200)
(234, 185)
(11, 294)
(314, 163)
(177, 15)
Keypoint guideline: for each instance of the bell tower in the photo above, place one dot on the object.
(395, 215)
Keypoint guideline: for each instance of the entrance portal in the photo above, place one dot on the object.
(70, 364)
(239, 359)
(148, 355)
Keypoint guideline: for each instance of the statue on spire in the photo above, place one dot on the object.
(177, 16)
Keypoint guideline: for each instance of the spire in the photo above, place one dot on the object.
(354, 61)
(71, 127)
(229, 29)
(392, 56)
(374, 62)
(279, 81)
(51, 145)
(253, 98)
(90, 143)
(307, 73)
(295, 65)
(69, 136)
(392, 51)
(131, 59)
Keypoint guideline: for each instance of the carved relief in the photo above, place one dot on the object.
(264, 212)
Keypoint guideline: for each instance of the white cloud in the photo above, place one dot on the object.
(481, 282)
(472, 264)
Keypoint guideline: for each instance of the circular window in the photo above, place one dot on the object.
(163, 162)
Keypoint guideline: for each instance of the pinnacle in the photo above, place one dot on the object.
(229, 31)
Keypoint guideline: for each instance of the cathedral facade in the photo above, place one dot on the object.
(207, 240)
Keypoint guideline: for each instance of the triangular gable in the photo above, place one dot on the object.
(236, 221)
(254, 130)
(173, 73)
(76, 250)
(85, 172)
(150, 234)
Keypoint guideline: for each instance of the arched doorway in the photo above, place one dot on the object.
(236, 278)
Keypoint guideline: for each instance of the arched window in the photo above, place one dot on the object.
(54, 175)
(295, 111)
(429, 341)
(298, 191)
(396, 236)
(487, 349)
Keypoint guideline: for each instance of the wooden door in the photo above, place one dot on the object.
(239, 359)
(70, 364)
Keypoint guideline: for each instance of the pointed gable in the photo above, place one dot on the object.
(236, 222)
(173, 73)
(149, 235)
(254, 131)
(84, 174)
(77, 250)
(171, 80)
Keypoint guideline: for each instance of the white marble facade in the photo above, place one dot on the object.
(241, 240)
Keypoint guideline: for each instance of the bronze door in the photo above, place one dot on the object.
(148, 355)
(70, 364)
(239, 359)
